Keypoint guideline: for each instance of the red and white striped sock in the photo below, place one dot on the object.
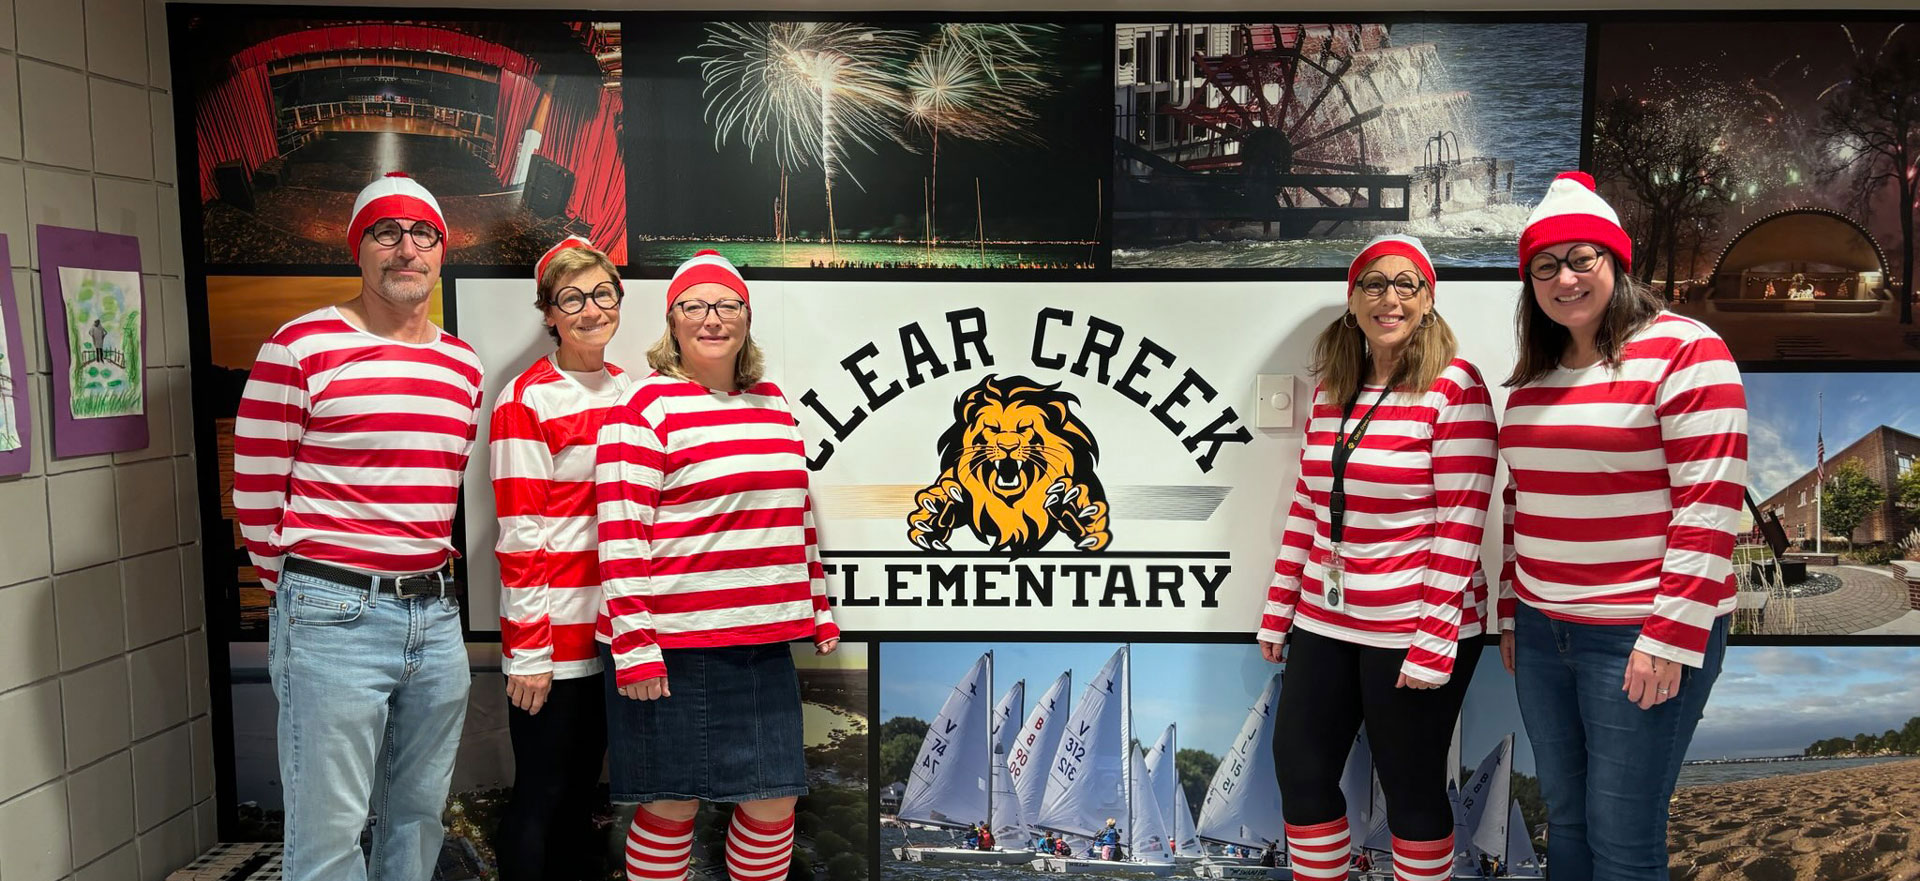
(1422, 860)
(658, 848)
(1320, 852)
(758, 850)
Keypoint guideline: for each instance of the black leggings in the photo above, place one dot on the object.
(1328, 689)
(547, 830)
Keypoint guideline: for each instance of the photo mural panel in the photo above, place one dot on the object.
(1765, 173)
(513, 124)
(1045, 741)
(870, 144)
(832, 820)
(1848, 508)
(243, 311)
(1258, 145)
(1812, 746)
(1128, 489)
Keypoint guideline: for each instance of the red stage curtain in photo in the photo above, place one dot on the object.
(583, 136)
(518, 95)
(414, 37)
(235, 122)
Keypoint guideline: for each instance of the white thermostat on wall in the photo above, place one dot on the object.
(1273, 401)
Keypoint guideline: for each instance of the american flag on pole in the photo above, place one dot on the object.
(1820, 442)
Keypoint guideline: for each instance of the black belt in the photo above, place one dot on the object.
(423, 584)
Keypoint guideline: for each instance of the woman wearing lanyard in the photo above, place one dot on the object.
(1378, 581)
(1626, 446)
(545, 425)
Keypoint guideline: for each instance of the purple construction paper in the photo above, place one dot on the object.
(15, 461)
(86, 249)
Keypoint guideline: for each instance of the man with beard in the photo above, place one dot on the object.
(352, 435)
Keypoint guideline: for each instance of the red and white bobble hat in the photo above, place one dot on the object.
(566, 244)
(397, 196)
(1404, 246)
(1574, 212)
(706, 266)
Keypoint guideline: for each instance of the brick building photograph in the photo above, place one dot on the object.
(1830, 581)
(1884, 453)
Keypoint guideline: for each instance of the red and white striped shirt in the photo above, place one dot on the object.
(1626, 486)
(706, 527)
(349, 447)
(544, 429)
(1417, 490)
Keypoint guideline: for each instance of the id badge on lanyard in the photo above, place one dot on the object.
(1333, 590)
(1333, 594)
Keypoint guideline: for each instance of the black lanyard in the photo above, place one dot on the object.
(1343, 448)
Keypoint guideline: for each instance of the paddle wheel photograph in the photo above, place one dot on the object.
(1288, 144)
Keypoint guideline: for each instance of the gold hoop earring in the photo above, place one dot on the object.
(1347, 320)
(1428, 321)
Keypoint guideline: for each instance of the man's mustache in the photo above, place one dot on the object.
(412, 266)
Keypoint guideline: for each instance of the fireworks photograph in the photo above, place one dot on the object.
(844, 145)
(1768, 181)
(512, 125)
(1292, 145)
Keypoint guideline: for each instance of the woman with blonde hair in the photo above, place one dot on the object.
(711, 564)
(1377, 592)
(545, 425)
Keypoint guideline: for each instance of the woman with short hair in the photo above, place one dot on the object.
(545, 425)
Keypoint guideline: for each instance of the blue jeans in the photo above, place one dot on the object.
(1607, 767)
(373, 693)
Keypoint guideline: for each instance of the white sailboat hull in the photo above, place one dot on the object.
(1235, 872)
(1077, 866)
(962, 856)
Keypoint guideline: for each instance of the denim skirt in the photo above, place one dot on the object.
(730, 732)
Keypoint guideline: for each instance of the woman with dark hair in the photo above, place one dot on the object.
(1626, 442)
(1377, 592)
(711, 564)
(544, 429)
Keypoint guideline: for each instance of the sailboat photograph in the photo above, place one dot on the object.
(1101, 772)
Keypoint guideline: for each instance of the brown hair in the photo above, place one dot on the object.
(1341, 363)
(1542, 341)
(749, 366)
(567, 264)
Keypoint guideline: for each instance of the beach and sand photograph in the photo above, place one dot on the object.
(1806, 766)
(1044, 742)
(832, 819)
(1832, 459)
(870, 144)
(513, 124)
(242, 312)
(1256, 145)
(1764, 171)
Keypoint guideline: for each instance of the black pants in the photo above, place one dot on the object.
(547, 830)
(1330, 687)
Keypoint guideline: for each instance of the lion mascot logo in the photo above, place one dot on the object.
(1016, 467)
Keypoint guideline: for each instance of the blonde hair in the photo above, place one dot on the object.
(749, 366)
(567, 264)
(1341, 362)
